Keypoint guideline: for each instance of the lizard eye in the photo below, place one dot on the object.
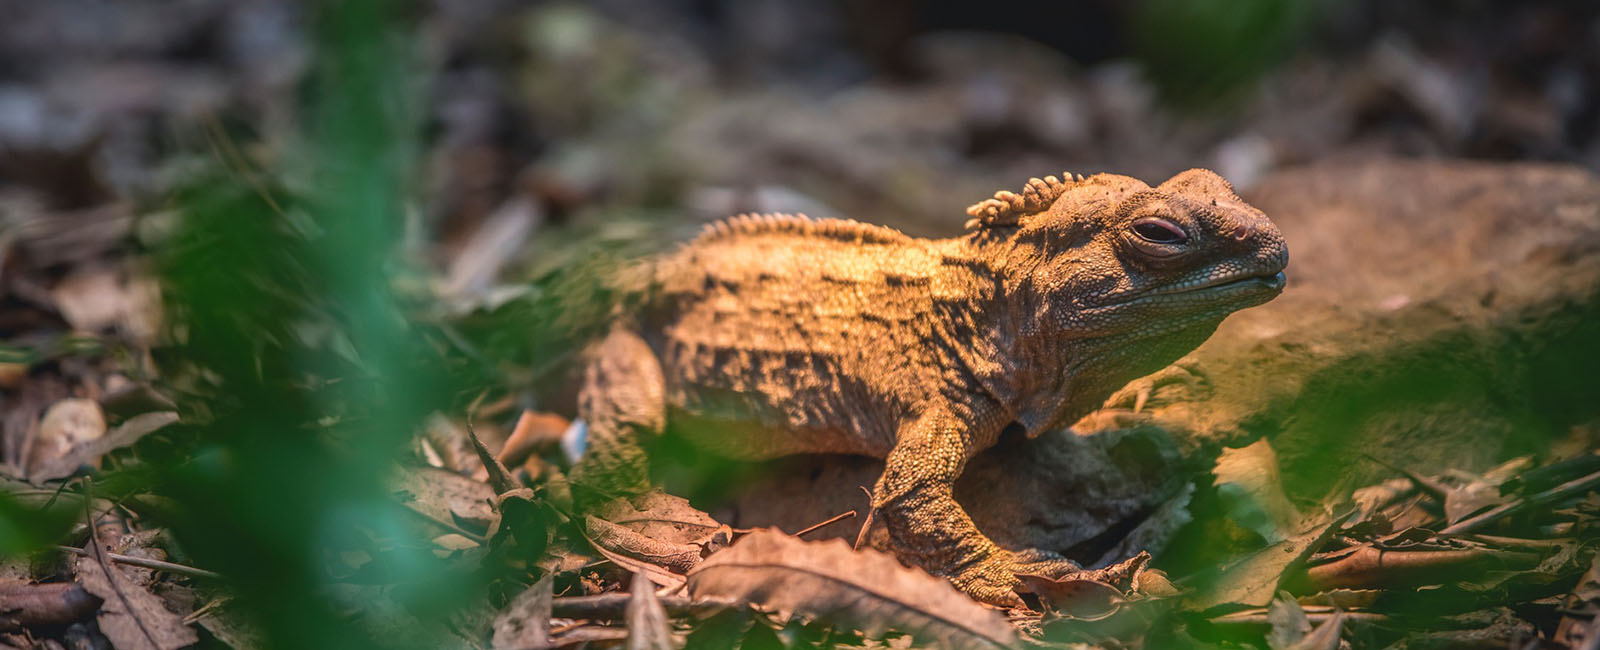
(1159, 231)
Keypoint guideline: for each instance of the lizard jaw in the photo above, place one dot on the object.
(1269, 286)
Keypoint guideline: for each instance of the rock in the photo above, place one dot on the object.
(1438, 314)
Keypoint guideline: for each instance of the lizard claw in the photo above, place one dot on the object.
(993, 579)
(1179, 382)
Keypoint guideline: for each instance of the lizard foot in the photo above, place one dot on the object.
(1179, 382)
(993, 579)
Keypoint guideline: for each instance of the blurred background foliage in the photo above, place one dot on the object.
(362, 213)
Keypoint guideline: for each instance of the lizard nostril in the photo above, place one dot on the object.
(1243, 232)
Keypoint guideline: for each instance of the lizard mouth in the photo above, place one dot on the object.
(1261, 286)
(1274, 283)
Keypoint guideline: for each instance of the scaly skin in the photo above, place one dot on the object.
(775, 335)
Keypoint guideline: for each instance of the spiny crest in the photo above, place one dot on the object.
(1007, 208)
(799, 224)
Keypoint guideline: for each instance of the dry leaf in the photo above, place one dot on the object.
(525, 623)
(92, 301)
(1253, 580)
(443, 495)
(67, 424)
(1248, 482)
(131, 616)
(648, 626)
(25, 603)
(661, 562)
(1470, 499)
(861, 589)
(661, 516)
(533, 431)
(1289, 622)
(1079, 598)
(88, 453)
(1325, 637)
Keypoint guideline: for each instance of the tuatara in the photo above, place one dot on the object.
(771, 335)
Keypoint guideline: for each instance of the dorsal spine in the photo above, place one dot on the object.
(1007, 208)
(799, 224)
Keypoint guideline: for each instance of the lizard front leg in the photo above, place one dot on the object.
(915, 499)
(621, 401)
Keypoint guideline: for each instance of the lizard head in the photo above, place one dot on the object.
(1150, 271)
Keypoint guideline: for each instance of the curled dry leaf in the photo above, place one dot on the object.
(663, 563)
(1089, 595)
(1072, 597)
(830, 581)
(656, 534)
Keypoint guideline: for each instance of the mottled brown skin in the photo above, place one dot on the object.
(775, 335)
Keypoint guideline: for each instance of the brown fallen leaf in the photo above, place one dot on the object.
(1088, 595)
(1077, 598)
(67, 424)
(57, 603)
(1288, 621)
(1581, 622)
(648, 625)
(131, 616)
(525, 623)
(1324, 637)
(829, 581)
(663, 563)
(662, 516)
(532, 431)
(443, 495)
(89, 452)
(94, 300)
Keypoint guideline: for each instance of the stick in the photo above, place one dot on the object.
(147, 563)
(813, 527)
(1557, 493)
(607, 606)
(99, 555)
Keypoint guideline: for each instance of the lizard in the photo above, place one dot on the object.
(776, 334)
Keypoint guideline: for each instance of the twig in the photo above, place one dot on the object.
(1369, 567)
(608, 606)
(148, 563)
(866, 522)
(204, 610)
(1259, 617)
(1557, 493)
(99, 555)
(815, 526)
